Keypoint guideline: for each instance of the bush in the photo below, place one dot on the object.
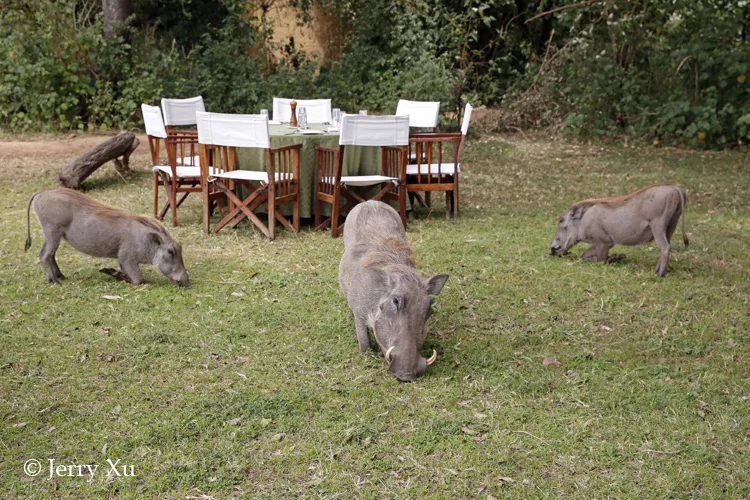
(675, 74)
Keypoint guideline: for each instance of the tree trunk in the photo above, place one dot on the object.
(115, 14)
(83, 166)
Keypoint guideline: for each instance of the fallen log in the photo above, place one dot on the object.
(121, 145)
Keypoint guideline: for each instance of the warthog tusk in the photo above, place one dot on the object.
(388, 353)
(432, 358)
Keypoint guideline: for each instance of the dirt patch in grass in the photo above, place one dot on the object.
(39, 154)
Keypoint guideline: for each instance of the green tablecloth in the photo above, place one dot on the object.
(358, 160)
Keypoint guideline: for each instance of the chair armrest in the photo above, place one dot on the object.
(182, 138)
(435, 137)
(286, 148)
(178, 133)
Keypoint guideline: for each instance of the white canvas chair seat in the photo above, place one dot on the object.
(182, 172)
(193, 161)
(246, 175)
(318, 110)
(433, 169)
(366, 180)
(185, 172)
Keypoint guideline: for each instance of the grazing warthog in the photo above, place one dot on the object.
(379, 278)
(103, 231)
(649, 214)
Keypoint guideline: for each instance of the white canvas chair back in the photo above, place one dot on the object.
(318, 110)
(153, 121)
(467, 118)
(242, 131)
(358, 130)
(179, 112)
(422, 114)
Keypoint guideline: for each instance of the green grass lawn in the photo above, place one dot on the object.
(250, 384)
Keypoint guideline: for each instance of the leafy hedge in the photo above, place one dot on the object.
(670, 70)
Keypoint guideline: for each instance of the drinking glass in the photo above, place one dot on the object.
(363, 112)
(335, 117)
(263, 112)
(302, 118)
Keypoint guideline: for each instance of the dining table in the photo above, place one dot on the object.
(358, 160)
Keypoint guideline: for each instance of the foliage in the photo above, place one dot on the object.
(73, 77)
(669, 70)
(672, 70)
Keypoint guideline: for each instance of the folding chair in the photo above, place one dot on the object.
(440, 169)
(179, 175)
(181, 113)
(318, 110)
(422, 115)
(391, 133)
(219, 136)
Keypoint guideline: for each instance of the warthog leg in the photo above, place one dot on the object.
(362, 338)
(52, 236)
(131, 269)
(660, 237)
(597, 253)
(129, 272)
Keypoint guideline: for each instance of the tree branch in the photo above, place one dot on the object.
(541, 67)
(558, 9)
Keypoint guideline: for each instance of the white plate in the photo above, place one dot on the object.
(274, 122)
(311, 132)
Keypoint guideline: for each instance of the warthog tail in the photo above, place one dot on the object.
(28, 224)
(683, 203)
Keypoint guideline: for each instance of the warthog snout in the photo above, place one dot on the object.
(184, 282)
(409, 370)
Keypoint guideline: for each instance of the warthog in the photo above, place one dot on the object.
(649, 214)
(103, 231)
(379, 278)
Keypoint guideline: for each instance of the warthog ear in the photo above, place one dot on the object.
(156, 238)
(435, 284)
(577, 212)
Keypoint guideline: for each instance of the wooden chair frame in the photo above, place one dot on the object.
(283, 171)
(176, 145)
(430, 147)
(330, 189)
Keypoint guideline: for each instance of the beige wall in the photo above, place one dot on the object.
(319, 39)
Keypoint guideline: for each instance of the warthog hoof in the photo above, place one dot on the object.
(661, 270)
(615, 258)
(118, 275)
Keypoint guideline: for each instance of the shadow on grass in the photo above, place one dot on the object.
(114, 179)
